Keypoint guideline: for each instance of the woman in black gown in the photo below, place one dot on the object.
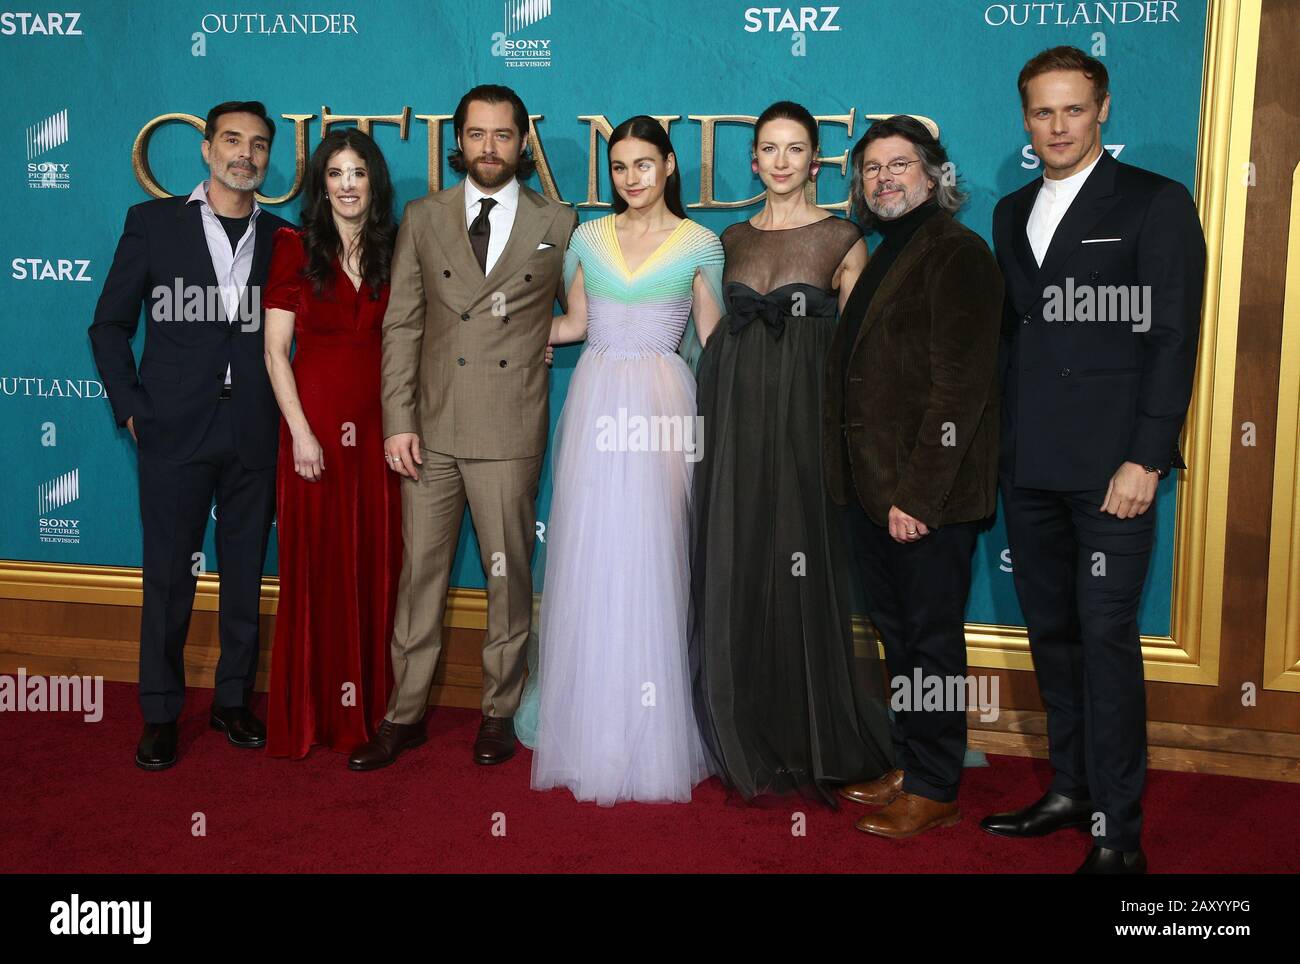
(782, 702)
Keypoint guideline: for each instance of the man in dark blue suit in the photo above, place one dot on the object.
(203, 415)
(1104, 265)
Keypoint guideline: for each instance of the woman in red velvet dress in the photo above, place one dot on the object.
(338, 506)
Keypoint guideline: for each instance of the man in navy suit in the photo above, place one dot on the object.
(202, 413)
(1104, 265)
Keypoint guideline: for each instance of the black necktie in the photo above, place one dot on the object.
(480, 231)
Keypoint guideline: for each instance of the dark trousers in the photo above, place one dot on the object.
(1078, 573)
(175, 497)
(916, 596)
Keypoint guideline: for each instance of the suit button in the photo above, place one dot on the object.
(460, 361)
(505, 319)
(1028, 318)
(1065, 372)
(1094, 276)
(528, 277)
(503, 363)
(446, 273)
(464, 316)
(1066, 321)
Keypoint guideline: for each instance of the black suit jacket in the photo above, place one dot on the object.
(917, 423)
(1080, 397)
(176, 390)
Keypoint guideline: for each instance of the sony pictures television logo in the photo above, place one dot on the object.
(522, 52)
(43, 137)
(52, 496)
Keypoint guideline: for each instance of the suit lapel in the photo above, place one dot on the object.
(451, 234)
(528, 229)
(194, 241)
(263, 239)
(1095, 198)
(1020, 246)
(912, 254)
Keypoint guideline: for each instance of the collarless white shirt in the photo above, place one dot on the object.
(1053, 200)
(500, 219)
(232, 267)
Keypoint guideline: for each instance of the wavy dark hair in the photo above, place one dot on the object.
(789, 110)
(254, 107)
(493, 94)
(320, 237)
(934, 160)
(645, 128)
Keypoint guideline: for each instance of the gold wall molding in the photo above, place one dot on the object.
(122, 586)
(1282, 626)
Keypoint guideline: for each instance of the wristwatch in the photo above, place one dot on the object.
(1160, 473)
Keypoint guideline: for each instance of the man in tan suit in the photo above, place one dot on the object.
(476, 272)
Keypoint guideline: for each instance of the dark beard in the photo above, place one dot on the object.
(489, 176)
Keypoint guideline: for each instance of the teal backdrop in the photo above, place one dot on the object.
(84, 84)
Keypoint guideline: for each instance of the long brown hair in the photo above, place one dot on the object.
(320, 237)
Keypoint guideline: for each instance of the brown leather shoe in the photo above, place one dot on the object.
(496, 740)
(390, 741)
(908, 816)
(877, 792)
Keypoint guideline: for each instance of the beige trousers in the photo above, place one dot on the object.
(502, 496)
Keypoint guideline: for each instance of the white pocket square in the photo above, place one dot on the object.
(544, 245)
(1099, 240)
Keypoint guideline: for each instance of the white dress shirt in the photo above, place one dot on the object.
(232, 267)
(500, 219)
(1053, 200)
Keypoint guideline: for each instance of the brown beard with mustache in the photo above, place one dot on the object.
(490, 176)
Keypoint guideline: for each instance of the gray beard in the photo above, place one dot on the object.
(247, 182)
(890, 209)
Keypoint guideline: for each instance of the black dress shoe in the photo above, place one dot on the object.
(157, 747)
(387, 744)
(1053, 812)
(1103, 860)
(496, 740)
(239, 724)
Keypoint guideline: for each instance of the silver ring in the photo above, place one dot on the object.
(388, 458)
(911, 532)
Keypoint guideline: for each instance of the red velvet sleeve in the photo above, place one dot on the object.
(284, 280)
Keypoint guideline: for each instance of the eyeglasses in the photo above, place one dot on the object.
(872, 171)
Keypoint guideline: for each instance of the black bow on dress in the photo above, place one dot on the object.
(749, 308)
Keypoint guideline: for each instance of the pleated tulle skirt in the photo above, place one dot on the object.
(612, 691)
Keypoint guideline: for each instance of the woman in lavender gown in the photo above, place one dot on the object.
(612, 692)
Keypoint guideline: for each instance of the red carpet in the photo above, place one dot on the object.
(73, 801)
